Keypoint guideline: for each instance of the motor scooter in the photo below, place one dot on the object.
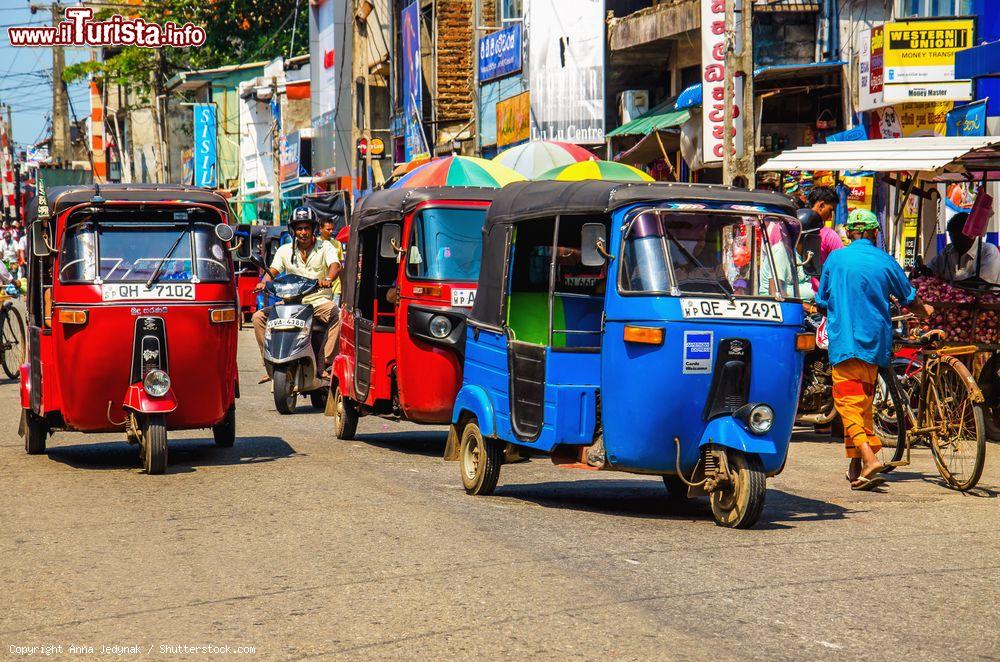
(293, 341)
(816, 397)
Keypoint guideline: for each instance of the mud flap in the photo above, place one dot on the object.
(452, 445)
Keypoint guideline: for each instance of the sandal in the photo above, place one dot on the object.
(265, 379)
(863, 484)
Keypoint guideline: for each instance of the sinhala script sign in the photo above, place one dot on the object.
(713, 83)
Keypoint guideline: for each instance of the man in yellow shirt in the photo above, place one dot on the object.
(308, 257)
(327, 233)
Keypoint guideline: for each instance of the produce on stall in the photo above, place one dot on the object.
(968, 316)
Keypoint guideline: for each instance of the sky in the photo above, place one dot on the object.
(26, 75)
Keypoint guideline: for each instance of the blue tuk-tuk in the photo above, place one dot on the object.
(647, 328)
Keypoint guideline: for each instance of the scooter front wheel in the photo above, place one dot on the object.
(285, 396)
(154, 444)
(739, 504)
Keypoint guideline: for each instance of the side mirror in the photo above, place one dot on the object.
(389, 241)
(809, 248)
(593, 244)
(39, 246)
(257, 260)
(225, 232)
(243, 247)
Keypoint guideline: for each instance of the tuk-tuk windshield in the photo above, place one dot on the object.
(704, 253)
(446, 244)
(129, 252)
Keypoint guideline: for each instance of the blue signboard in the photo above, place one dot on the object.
(206, 172)
(968, 120)
(412, 82)
(500, 53)
(856, 133)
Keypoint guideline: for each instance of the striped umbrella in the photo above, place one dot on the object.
(617, 172)
(534, 158)
(460, 171)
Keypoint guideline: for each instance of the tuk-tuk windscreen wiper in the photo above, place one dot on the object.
(159, 265)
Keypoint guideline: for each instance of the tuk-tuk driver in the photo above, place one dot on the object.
(310, 258)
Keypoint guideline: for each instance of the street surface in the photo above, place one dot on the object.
(298, 545)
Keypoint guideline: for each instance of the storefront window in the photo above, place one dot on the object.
(910, 8)
(510, 9)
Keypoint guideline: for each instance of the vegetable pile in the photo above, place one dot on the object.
(967, 317)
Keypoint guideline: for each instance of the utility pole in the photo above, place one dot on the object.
(276, 151)
(739, 165)
(61, 149)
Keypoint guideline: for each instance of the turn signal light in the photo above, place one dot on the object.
(805, 342)
(72, 316)
(428, 290)
(644, 334)
(220, 315)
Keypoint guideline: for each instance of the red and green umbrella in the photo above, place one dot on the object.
(460, 171)
(609, 170)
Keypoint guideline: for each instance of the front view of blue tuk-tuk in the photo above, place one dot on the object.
(700, 342)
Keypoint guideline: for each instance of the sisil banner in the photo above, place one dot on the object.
(500, 54)
(713, 82)
(412, 81)
(205, 147)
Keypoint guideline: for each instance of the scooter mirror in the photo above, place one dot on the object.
(389, 241)
(225, 232)
(257, 260)
(593, 238)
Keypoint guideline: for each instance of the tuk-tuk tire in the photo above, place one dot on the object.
(677, 489)
(345, 417)
(753, 488)
(284, 397)
(36, 432)
(482, 479)
(318, 398)
(225, 430)
(154, 444)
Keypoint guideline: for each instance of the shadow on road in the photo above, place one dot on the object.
(648, 499)
(184, 455)
(429, 443)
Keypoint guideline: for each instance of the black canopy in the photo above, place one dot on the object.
(63, 197)
(328, 205)
(526, 201)
(391, 206)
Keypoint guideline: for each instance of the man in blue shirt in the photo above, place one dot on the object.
(855, 289)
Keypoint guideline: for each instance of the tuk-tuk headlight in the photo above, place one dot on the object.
(156, 383)
(440, 326)
(760, 419)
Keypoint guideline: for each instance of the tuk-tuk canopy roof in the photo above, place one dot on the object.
(63, 197)
(527, 201)
(391, 205)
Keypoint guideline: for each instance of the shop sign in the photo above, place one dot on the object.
(908, 236)
(924, 51)
(859, 191)
(958, 90)
(870, 67)
(913, 120)
(289, 149)
(713, 79)
(968, 120)
(500, 53)
(514, 120)
(412, 81)
(205, 146)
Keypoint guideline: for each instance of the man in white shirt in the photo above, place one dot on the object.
(8, 248)
(958, 260)
(310, 258)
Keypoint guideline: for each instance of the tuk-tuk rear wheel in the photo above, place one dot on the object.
(345, 416)
(479, 460)
(740, 504)
(36, 431)
(225, 430)
(154, 444)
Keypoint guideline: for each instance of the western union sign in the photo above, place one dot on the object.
(924, 51)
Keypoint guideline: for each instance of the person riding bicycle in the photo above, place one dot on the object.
(854, 290)
(310, 258)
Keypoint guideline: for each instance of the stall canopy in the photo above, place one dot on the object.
(664, 116)
(935, 158)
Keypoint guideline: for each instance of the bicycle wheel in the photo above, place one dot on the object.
(889, 416)
(12, 343)
(959, 450)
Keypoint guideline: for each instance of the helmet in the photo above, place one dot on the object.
(862, 219)
(809, 221)
(303, 215)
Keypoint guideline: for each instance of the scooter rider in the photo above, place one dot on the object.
(309, 258)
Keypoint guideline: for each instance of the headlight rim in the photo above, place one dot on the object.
(150, 389)
(448, 326)
(758, 428)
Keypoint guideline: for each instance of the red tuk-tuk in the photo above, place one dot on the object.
(132, 316)
(410, 278)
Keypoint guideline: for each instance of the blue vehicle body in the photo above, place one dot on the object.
(638, 397)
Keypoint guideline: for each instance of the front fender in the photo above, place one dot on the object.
(343, 375)
(476, 401)
(727, 432)
(141, 402)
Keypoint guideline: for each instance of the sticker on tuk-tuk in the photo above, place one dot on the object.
(160, 291)
(698, 346)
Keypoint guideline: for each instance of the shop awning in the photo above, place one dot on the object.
(934, 158)
(778, 72)
(659, 118)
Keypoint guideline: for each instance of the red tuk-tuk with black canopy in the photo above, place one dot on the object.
(132, 316)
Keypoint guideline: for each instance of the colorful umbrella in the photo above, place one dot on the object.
(618, 172)
(409, 166)
(534, 158)
(460, 171)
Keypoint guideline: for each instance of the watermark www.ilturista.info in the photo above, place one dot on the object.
(79, 29)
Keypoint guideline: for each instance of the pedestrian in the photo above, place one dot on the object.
(327, 233)
(855, 291)
(824, 200)
(8, 249)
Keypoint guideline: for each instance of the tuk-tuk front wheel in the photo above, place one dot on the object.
(345, 416)
(480, 461)
(154, 444)
(285, 396)
(739, 504)
(225, 430)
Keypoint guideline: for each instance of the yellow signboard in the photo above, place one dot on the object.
(924, 51)
(514, 119)
(924, 119)
(859, 191)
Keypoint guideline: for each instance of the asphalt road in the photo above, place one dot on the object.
(298, 545)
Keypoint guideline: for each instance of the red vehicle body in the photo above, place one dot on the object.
(410, 276)
(96, 330)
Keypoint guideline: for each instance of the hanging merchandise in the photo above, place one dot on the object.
(826, 120)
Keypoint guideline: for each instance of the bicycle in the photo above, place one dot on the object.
(12, 345)
(940, 404)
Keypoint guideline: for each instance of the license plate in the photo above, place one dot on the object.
(463, 298)
(286, 323)
(165, 291)
(767, 311)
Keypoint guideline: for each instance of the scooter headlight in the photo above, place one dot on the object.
(440, 326)
(760, 419)
(156, 383)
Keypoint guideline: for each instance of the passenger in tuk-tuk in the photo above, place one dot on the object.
(308, 257)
